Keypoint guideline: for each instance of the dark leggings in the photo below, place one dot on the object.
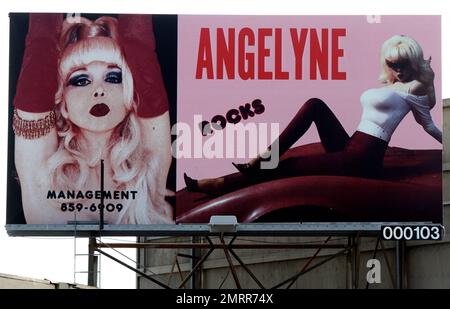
(360, 155)
(331, 132)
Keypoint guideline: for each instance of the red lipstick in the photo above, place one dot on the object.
(99, 110)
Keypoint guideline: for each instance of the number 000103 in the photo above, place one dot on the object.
(411, 232)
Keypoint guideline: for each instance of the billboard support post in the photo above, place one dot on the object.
(196, 281)
(92, 263)
(356, 260)
(399, 263)
(348, 263)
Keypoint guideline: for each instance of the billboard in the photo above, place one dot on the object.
(145, 120)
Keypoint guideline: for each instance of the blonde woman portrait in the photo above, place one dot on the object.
(91, 91)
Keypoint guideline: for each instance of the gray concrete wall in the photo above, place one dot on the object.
(17, 282)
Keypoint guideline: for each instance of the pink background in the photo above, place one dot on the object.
(282, 98)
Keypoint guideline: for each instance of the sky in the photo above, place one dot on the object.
(54, 258)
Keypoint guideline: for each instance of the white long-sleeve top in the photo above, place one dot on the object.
(384, 108)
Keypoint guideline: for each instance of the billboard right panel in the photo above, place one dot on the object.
(309, 118)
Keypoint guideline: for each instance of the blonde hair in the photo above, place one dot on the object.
(402, 47)
(132, 167)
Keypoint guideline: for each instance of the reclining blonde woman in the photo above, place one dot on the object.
(408, 86)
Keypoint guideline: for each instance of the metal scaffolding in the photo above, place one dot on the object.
(202, 246)
(350, 250)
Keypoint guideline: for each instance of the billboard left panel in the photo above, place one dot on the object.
(92, 98)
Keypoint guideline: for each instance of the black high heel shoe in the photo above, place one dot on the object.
(191, 184)
(246, 168)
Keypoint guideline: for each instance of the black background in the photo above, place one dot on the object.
(165, 30)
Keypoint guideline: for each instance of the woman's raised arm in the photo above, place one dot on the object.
(34, 118)
(421, 112)
(137, 39)
(427, 78)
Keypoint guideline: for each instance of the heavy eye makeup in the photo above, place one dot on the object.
(84, 79)
(114, 77)
(79, 80)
